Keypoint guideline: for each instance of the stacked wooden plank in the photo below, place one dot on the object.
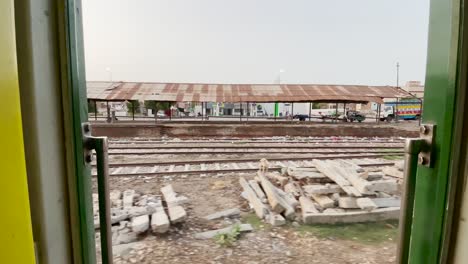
(329, 191)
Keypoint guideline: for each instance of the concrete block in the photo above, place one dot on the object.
(335, 197)
(226, 213)
(380, 214)
(140, 210)
(400, 165)
(388, 186)
(116, 217)
(244, 195)
(293, 189)
(350, 165)
(373, 176)
(123, 225)
(171, 197)
(177, 213)
(323, 200)
(126, 236)
(322, 189)
(347, 202)
(383, 195)
(304, 173)
(387, 202)
(276, 219)
(366, 204)
(333, 211)
(95, 204)
(258, 191)
(128, 197)
(335, 173)
(307, 208)
(393, 172)
(140, 224)
(288, 198)
(115, 195)
(142, 201)
(96, 222)
(213, 233)
(124, 249)
(159, 219)
(277, 204)
(118, 203)
(160, 222)
(261, 209)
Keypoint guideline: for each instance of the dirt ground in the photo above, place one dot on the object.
(286, 244)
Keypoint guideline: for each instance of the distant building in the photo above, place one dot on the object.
(251, 109)
(415, 88)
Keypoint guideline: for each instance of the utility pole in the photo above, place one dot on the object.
(398, 74)
(398, 85)
(109, 72)
(276, 103)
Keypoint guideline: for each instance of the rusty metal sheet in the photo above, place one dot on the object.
(194, 92)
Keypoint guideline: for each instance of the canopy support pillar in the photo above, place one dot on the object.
(108, 112)
(420, 111)
(276, 110)
(95, 110)
(336, 113)
(396, 109)
(344, 110)
(378, 113)
(241, 112)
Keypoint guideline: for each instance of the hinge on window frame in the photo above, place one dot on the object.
(100, 145)
(427, 135)
(417, 151)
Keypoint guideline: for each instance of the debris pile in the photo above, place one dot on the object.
(329, 192)
(133, 214)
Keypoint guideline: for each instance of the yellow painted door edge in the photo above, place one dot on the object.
(16, 239)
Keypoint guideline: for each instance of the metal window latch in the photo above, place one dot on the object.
(88, 143)
(417, 151)
(100, 145)
(427, 135)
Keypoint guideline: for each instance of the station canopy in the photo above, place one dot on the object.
(234, 93)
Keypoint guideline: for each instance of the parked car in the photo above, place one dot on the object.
(301, 117)
(161, 113)
(352, 116)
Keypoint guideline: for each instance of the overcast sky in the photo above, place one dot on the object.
(249, 41)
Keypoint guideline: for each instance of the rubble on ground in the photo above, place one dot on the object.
(213, 233)
(330, 192)
(234, 212)
(134, 215)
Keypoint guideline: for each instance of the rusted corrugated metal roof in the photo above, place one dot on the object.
(195, 92)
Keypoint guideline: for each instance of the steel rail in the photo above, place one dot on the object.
(254, 147)
(249, 152)
(211, 161)
(275, 168)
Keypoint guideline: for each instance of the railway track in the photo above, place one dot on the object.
(389, 151)
(248, 148)
(302, 146)
(250, 141)
(231, 165)
(281, 152)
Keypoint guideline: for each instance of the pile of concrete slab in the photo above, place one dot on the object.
(134, 214)
(330, 192)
